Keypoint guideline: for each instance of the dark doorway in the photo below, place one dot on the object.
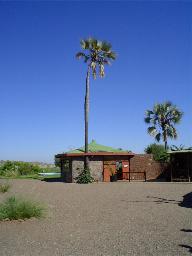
(119, 170)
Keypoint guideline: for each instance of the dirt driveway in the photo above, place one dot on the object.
(102, 219)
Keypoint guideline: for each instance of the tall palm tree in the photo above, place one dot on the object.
(163, 118)
(96, 54)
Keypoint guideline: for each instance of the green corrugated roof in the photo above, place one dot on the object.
(94, 147)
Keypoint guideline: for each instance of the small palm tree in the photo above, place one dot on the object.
(163, 118)
(177, 148)
(96, 54)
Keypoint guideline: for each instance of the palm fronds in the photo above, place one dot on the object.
(163, 118)
(97, 54)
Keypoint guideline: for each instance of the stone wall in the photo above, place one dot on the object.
(77, 167)
(96, 166)
(145, 163)
(66, 172)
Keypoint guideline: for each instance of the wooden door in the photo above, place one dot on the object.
(109, 167)
(125, 169)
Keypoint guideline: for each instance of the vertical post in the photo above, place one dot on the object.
(62, 174)
(129, 169)
(86, 114)
(103, 167)
(188, 175)
(145, 176)
(171, 167)
(188, 163)
(70, 171)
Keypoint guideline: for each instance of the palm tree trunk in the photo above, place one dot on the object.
(166, 145)
(86, 109)
(165, 139)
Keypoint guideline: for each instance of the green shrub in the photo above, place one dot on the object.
(4, 187)
(158, 151)
(15, 208)
(15, 169)
(85, 177)
(8, 169)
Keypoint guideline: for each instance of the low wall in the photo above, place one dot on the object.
(145, 163)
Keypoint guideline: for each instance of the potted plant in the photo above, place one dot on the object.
(113, 176)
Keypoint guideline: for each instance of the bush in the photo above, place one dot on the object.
(158, 151)
(15, 169)
(4, 188)
(85, 177)
(14, 209)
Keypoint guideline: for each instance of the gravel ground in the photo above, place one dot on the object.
(101, 219)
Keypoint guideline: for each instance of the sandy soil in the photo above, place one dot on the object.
(101, 219)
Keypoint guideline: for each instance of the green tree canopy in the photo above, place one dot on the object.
(96, 54)
(158, 151)
(162, 119)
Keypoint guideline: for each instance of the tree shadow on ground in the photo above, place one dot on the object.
(157, 200)
(186, 230)
(186, 202)
(59, 179)
(160, 200)
(187, 247)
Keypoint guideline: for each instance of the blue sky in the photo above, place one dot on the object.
(42, 85)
